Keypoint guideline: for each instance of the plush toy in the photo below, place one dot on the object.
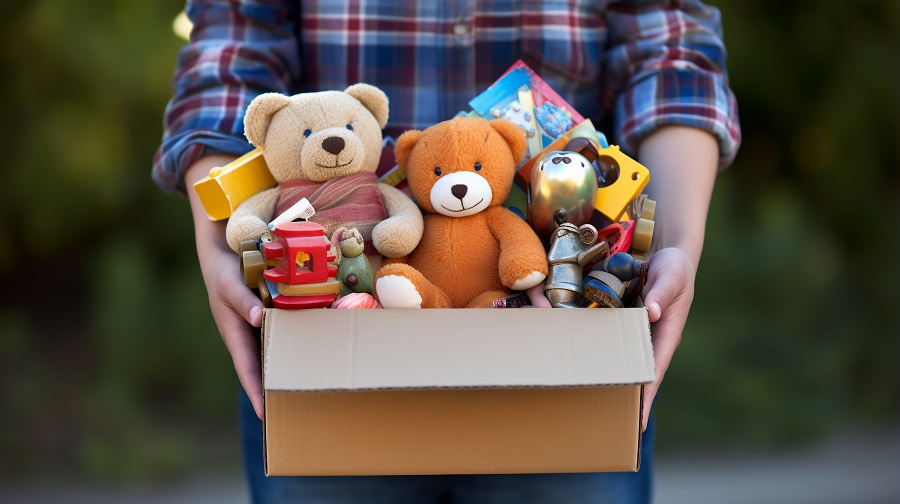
(473, 250)
(325, 147)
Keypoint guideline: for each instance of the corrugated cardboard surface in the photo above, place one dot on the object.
(454, 391)
(371, 349)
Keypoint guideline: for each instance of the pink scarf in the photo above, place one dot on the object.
(352, 201)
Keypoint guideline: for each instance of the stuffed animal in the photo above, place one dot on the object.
(325, 147)
(473, 250)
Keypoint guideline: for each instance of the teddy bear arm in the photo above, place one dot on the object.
(523, 262)
(395, 260)
(249, 220)
(400, 233)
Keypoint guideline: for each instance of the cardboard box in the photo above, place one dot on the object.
(364, 392)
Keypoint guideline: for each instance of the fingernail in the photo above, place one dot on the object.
(655, 311)
(255, 316)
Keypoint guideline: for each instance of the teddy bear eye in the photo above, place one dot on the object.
(437, 171)
(350, 127)
(307, 132)
(477, 166)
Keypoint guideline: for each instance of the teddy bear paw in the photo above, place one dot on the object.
(395, 291)
(393, 240)
(533, 278)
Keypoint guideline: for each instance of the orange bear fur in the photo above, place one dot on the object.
(472, 251)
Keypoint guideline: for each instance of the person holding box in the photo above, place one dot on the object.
(652, 72)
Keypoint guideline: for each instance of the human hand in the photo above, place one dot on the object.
(236, 311)
(234, 307)
(667, 296)
(683, 163)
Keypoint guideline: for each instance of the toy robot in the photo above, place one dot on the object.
(571, 250)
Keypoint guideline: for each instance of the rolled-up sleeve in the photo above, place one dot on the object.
(238, 50)
(666, 66)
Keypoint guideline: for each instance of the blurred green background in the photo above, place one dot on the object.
(111, 365)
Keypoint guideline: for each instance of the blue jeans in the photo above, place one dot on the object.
(619, 488)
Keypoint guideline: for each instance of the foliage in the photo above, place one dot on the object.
(111, 363)
(792, 331)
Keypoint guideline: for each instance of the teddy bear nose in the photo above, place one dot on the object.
(459, 190)
(333, 144)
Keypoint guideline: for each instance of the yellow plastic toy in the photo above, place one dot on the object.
(633, 177)
(227, 187)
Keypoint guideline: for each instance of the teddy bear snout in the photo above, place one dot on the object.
(333, 144)
(460, 194)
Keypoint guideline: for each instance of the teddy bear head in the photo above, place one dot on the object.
(319, 136)
(461, 166)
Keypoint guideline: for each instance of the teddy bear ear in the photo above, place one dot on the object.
(514, 136)
(404, 145)
(373, 99)
(259, 115)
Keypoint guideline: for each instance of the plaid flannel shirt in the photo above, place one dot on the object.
(644, 63)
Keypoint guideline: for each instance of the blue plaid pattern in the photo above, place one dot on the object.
(634, 66)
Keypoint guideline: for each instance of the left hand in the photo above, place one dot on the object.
(667, 296)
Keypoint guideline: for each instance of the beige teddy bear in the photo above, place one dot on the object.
(325, 147)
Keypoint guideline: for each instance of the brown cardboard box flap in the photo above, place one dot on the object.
(327, 350)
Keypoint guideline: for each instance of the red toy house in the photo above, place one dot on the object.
(302, 274)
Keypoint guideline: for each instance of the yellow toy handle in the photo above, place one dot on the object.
(228, 186)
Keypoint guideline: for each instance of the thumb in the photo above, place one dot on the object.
(242, 299)
(665, 286)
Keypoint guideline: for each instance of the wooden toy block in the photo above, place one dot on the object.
(247, 245)
(252, 267)
(643, 235)
(330, 286)
(265, 295)
(228, 186)
(642, 207)
(649, 209)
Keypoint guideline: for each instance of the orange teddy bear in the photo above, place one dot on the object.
(473, 250)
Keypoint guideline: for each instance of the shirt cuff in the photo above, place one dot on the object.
(180, 151)
(679, 97)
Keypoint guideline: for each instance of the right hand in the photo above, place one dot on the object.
(234, 307)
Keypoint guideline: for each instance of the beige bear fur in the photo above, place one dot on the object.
(277, 123)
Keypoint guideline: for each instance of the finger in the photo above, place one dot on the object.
(243, 345)
(650, 391)
(242, 299)
(666, 336)
(665, 285)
